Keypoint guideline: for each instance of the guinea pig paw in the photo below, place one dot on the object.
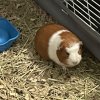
(65, 71)
(64, 68)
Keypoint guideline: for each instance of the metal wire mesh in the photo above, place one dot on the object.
(87, 10)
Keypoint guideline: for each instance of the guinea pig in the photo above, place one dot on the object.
(55, 42)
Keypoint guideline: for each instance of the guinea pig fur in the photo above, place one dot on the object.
(55, 42)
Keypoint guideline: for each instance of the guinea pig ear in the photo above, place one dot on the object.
(81, 43)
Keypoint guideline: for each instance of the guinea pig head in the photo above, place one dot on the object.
(70, 54)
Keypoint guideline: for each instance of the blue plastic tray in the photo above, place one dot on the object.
(8, 34)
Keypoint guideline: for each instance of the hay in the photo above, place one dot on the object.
(25, 76)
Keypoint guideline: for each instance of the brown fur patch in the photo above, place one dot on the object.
(42, 38)
(68, 39)
(62, 54)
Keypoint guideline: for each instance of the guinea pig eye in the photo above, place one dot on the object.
(67, 53)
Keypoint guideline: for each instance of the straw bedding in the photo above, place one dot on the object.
(26, 76)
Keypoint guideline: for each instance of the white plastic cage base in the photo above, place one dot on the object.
(87, 10)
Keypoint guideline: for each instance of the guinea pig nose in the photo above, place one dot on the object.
(75, 62)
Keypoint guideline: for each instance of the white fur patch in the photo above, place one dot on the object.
(54, 43)
(74, 56)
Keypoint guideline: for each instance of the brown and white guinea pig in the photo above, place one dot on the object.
(55, 42)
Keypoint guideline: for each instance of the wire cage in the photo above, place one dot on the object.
(87, 10)
(82, 17)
